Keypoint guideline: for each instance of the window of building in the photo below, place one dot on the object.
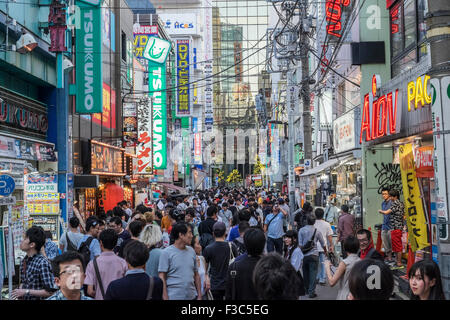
(408, 30)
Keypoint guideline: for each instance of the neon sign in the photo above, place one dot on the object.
(333, 10)
(375, 124)
(418, 92)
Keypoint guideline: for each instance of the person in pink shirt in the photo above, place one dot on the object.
(110, 266)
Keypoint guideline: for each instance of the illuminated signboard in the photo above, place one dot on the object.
(141, 35)
(374, 122)
(107, 118)
(333, 11)
(418, 92)
(183, 73)
(106, 159)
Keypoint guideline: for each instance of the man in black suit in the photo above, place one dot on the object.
(136, 285)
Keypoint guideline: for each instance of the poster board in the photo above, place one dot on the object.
(48, 222)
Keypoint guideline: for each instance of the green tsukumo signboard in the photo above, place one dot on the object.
(89, 59)
(157, 86)
(156, 51)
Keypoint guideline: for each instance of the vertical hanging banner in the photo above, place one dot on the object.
(415, 217)
(183, 75)
(89, 58)
(157, 85)
(197, 141)
(144, 146)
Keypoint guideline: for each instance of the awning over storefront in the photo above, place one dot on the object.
(173, 187)
(325, 165)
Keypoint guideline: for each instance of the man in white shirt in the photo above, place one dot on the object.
(325, 230)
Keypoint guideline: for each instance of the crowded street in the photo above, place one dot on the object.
(226, 151)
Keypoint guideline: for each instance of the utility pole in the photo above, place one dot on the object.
(294, 46)
(438, 36)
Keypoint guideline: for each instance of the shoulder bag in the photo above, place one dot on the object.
(99, 279)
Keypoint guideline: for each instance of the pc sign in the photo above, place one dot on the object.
(157, 50)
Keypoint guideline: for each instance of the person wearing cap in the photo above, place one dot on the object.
(218, 256)
(92, 229)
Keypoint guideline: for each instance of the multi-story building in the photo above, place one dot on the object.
(239, 29)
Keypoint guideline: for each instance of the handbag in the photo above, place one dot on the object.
(310, 244)
(232, 257)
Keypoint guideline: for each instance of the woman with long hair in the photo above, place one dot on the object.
(425, 281)
(294, 255)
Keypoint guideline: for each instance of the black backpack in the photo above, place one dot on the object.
(240, 247)
(310, 244)
(85, 251)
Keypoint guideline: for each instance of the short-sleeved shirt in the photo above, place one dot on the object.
(397, 212)
(74, 237)
(51, 249)
(305, 234)
(110, 266)
(275, 230)
(94, 247)
(217, 254)
(180, 267)
(386, 205)
(325, 229)
(151, 267)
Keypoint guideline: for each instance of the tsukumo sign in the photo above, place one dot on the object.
(89, 59)
(157, 84)
(377, 111)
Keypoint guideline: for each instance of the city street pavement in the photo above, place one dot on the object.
(325, 293)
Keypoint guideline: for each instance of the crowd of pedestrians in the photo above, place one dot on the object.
(219, 244)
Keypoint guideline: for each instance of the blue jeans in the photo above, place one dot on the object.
(275, 245)
(321, 276)
(310, 266)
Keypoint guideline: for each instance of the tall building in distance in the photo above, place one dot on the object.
(239, 30)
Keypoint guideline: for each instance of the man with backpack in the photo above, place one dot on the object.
(70, 239)
(308, 236)
(205, 228)
(89, 247)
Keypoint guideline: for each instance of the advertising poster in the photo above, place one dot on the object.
(107, 118)
(183, 76)
(41, 193)
(144, 145)
(415, 217)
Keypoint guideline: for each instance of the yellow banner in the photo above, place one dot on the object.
(415, 217)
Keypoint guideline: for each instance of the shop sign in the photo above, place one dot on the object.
(89, 60)
(22, 118)
(106, 159)
(144, 146)
(157, 84)
(333, 11)
(41, 183)
(415, 217)
(418, 92)
(183, 76)
(376, 112)
(423, 159)
(180, 24)
(344, 133)
(157, 50)
(107, 118)
(141, 35)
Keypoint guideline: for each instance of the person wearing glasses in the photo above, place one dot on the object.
(366, 249)
(68, 269)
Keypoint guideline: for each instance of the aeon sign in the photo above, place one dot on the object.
(378, 111)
